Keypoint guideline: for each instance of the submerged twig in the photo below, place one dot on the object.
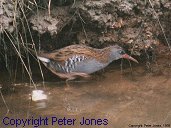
(3, 99)
(130, 65)
(121, 66)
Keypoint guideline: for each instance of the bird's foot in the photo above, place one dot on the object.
(68, 87)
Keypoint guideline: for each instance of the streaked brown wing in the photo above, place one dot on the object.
(63, 54)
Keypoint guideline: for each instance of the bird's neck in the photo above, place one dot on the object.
(109, 54)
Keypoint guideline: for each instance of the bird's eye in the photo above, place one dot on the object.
(122, 52)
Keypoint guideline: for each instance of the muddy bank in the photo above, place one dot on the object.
(134, 24)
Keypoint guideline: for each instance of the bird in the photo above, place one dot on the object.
(77, 60)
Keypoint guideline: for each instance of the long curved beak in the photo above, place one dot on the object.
(126, 56)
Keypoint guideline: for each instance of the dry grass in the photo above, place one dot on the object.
(15, 40)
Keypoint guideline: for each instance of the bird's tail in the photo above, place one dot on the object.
(43, 59)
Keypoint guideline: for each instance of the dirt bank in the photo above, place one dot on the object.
(135, 24)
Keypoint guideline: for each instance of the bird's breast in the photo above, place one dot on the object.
(67, 66)
(79, 64)
(88, 66)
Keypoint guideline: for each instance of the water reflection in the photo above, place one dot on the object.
(123, 99)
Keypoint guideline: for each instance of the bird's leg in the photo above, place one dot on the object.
(67, 85)
(67, 82)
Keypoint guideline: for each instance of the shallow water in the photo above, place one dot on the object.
(118, 100)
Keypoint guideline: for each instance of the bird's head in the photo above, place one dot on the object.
(116, 52)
